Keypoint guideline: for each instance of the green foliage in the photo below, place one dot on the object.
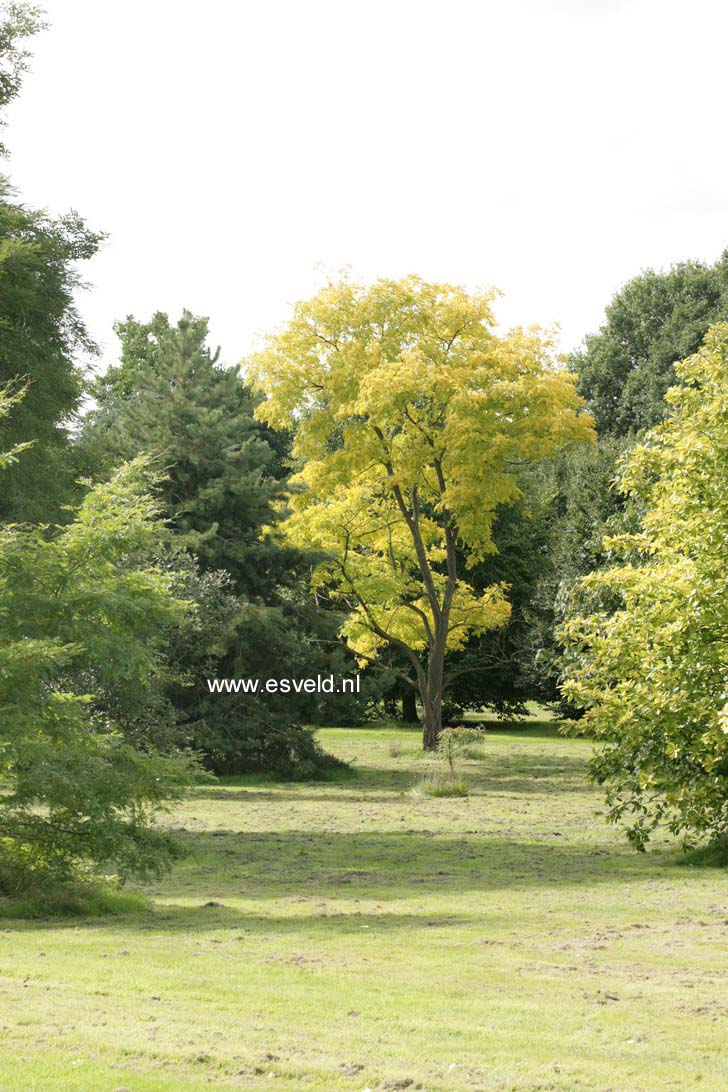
(40, 331)
(457, 741)
(17, 22)
(40, 328)
(496, 670)
(8, 399)
(253, 740)
(649, 652)
(578, 504)
(623, 372)
(656, 320)
(170, 397)
(241, 733)
(83, 614)
(39, 895)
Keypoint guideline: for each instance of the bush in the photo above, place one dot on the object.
(456, 741)
(253, 745)
(31, 887)
(83, 612)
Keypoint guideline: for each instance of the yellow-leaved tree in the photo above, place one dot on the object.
(412, 418)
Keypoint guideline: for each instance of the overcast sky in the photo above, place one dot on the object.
(233, 150)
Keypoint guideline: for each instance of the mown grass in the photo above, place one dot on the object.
(350, 935)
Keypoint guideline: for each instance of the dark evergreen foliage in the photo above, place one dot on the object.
(655, 320)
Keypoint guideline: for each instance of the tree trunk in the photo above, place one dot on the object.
(409, 704)
(431, 727)
(432, 698)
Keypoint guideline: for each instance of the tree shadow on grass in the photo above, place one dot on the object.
(311, 925)
(375, 865)
(309, 870)
(532, 774)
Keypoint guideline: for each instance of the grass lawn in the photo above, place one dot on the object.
(351, 935)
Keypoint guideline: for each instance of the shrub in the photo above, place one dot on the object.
(256, 743)
(83, 611)
(456, 741)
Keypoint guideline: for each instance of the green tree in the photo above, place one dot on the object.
(17, 22)
(578, 505)
(624, 371)
(655, 320)
(170, 397)
(41, 331)
(83, 615)
(411, 418)
(648, 655)
(9, 398)
(495, 669)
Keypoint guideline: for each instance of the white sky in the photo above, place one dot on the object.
(231, 149)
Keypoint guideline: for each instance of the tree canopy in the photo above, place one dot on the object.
(18, 21)
(655, 320)
(411, 419)
(83, 615)
(649, 652)
(170, 397)
(41, 331)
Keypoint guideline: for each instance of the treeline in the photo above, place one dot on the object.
(134, 563)
(139, 556)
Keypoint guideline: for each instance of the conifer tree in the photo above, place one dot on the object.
(170, 397)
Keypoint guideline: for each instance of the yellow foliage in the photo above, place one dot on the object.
(412, 418)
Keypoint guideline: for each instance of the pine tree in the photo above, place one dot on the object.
(170, 397)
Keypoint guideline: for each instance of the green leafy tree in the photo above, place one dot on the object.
(83, 614)
(17, 23)
(648, 655)
(495, 669)
(624, 371)
(453, 742)
(243, 732)
(578, 505)
(41, 332)
(655, 320)
(411, 417)
(9, 398)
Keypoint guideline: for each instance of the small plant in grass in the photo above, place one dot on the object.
(453, 742)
